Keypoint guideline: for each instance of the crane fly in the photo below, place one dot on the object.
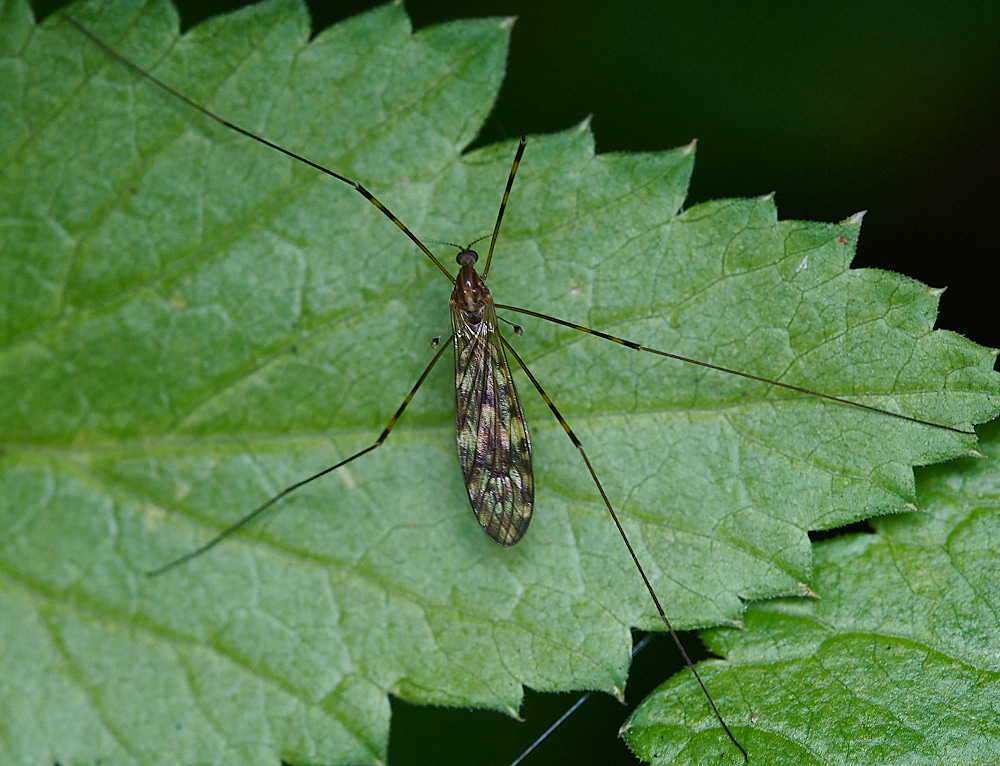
(494, 446)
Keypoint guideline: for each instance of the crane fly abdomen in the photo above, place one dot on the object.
(494, 448)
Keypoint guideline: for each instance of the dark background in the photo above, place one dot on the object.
(890, 107)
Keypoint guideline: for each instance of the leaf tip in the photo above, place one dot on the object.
(856, 219)
(805, 591)
(508, 22)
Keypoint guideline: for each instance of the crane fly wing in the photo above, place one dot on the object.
(494, 449)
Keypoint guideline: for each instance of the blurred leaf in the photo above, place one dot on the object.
(191, 323)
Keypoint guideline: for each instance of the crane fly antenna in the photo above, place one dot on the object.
(456, 246)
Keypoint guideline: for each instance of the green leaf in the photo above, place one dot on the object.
(895, 662)
(191, 322)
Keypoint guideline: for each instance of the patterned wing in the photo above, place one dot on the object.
(494, 449)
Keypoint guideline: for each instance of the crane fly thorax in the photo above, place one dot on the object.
(471, 295)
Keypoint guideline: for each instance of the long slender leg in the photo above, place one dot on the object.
(759, 379)
(288, 490)
(572, 709)
(614, 516)
(503, 203)
(242, 131)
